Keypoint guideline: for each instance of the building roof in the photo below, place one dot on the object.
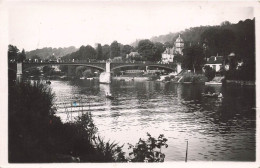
(179, 40)
(215, 60)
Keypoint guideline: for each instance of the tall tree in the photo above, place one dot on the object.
(114, 49)
(90, 52)
(99, 52)
(106, 51)
(158, 50)
(193, 58)
(126, 50)
(146, 49)
(12, 52)
(21, 56)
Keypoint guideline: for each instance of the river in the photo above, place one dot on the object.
(216, 129)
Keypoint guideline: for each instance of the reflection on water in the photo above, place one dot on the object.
(217, 129)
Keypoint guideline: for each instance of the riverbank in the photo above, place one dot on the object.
(125, 78)
(239, 82)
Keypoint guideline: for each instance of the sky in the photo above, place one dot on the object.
(34, 25)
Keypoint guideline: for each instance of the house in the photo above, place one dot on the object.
(168, 54)
(215, 62)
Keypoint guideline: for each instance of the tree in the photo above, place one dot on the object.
(158, 50)
(12, 52)
(168, 44)
(99, 52)
(146, 49)
(106, 51)
(178, 58)
(21, 56)
(126, 50)
(90, 53)
(225, 23)
(114, 49)
(193, 57)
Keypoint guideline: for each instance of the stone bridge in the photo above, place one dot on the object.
(106, 67)
(21, 67)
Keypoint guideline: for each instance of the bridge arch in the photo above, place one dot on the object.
(122, 66)
(144, 65)
(27, 67)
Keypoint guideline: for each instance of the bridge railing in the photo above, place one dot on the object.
(91, 61)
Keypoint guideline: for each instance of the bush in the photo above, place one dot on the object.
(36, 135)
(109, 151)
(30, 112)
(148, 150)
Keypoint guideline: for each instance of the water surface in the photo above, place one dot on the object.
(216, 129)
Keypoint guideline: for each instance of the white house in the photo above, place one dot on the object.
(167, 56)
(215, 62)
(169, 53)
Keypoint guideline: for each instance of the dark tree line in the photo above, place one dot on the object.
(205, 41)
(14, 54)
(100, 52)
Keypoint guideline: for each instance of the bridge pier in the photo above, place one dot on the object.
(105, 77)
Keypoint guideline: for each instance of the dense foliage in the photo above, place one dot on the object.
(148, 150)
(14, 54)
(45, 53)
(37, 135)
(193, 58)
(150, 51)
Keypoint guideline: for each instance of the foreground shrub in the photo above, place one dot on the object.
(148, 150)
(36, 135)
(109, 151)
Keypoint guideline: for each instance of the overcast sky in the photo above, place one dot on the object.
(63, 24)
